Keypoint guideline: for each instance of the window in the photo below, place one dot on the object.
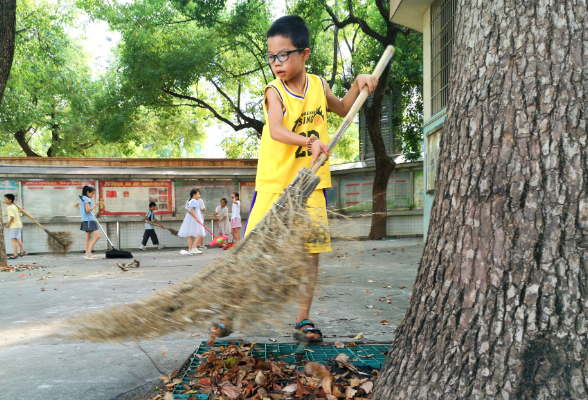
(442, 18)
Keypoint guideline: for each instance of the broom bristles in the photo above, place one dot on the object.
(59, 242)
(253, 285)
(173, 231)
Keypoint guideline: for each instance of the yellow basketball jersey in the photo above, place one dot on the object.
(304, 113)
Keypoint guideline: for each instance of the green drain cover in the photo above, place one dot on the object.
(362, 355)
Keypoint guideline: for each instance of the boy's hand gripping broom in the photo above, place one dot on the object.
(252, 284)
(58, 242)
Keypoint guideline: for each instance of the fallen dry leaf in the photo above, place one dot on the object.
(355, 382)
(370, 281)
(342, 357)
(402, 287)
(367, 291)
(350, 392)
(351, 345)
(290, 388)
(369, 306)
(367, 387)
(260, 379)
(339, 345)
(168, 396)
(359, 337)
(384, 322)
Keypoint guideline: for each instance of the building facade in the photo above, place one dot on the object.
(434, 18)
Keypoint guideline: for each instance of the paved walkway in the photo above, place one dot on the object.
(38, 366)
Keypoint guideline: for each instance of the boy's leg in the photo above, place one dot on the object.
(308, 294)
(14, 247)
(19, 244)
(145, 237)
(154, 238)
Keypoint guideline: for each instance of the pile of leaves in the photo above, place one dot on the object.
(233, 373)
(20, 267)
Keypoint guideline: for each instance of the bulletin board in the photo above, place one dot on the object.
(12, 188)
(356, 193)
(398, 192)
(210, 191)
(53, 198)
(419, 189)
(246, 196)
(133, 197)
(433, 142)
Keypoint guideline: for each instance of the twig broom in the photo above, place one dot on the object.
(253, 284)
(58, 242)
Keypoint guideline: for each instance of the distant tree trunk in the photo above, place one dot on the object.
(384, 164)
(21, 139)
(7, 33)
(499, 309)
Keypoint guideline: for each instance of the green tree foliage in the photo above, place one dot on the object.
(46, 103)
(54, 106)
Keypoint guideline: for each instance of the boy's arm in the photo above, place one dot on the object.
(342, 107)
(9, 221)
(77, 206)
(147, 220)
(282, 134)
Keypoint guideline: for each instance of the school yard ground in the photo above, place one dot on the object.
(39, 366)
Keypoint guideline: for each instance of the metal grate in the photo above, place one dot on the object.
(367, 355)
(391, 141)
(442, 19)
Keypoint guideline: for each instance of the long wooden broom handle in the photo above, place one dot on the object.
(348, 120)
(29, 215)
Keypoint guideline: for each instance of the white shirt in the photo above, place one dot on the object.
(236, 213)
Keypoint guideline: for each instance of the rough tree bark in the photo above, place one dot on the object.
(7, 33)
(499, 307)
(384, 164)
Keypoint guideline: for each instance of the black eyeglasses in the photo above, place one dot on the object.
(283, 56)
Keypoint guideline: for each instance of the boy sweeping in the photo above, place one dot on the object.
(15, 226)
(295, 134)
(150, 228)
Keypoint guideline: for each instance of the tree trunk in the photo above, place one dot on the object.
(499, 308)
(21, 139)
(7, 33)
(384, 165)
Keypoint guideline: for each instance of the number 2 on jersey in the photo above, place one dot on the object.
(302, 153)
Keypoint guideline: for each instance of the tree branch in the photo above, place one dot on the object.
(21, 139)
(383, 11)
(351, 19)
(254, 124)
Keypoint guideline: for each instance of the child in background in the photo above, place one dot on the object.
(222, 212)
(190, 227)
(89, 225)
(236, 218)
(15, 226)
(200, 240)
(150, 228)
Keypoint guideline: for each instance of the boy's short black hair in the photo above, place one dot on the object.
(292, 27)
(152, 204)
(9, 196)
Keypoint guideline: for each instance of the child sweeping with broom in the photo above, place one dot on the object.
(191, 227)
(295, 134)
(89, 225)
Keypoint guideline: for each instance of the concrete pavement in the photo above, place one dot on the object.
(35, 365)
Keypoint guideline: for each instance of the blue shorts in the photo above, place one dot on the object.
(15, 233)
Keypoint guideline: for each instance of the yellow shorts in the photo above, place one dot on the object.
(317, 207)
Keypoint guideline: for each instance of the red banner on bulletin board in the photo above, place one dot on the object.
(133, 197)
